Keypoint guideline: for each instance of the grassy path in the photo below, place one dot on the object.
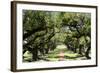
(54, 55)
(68, 55)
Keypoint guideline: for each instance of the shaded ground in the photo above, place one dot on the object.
(54, 55)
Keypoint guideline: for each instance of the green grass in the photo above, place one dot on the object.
(71, 55)
(68, 55)
(54, 55)
(53, 59)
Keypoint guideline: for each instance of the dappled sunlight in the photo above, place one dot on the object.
(56, 36)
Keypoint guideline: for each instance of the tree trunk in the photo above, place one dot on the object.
(87, 53)
(80, 49)
(75, 50)
(34, 54)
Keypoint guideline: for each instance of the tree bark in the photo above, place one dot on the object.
(87, 53)
(34, 54)
(80, 49)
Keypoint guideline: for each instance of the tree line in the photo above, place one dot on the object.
(43, 30)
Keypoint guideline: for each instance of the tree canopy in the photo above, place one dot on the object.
(44, 30)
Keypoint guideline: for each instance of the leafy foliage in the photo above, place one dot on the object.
(43, 31)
